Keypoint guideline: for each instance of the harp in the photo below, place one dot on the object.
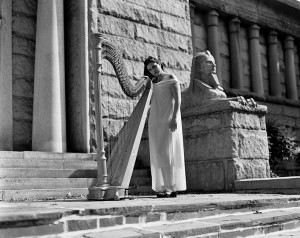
(114, 173)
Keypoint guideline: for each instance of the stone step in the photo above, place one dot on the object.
(55, 193)
(44, 194)
(155, 225)
(48, 164)
(45, 183)
(62, 173)
(46, 155)
(286, 185)
(47, 173)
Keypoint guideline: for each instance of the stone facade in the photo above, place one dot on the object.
(141, 28)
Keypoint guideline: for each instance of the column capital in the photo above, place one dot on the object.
(289, 43)
(254, 31)
(272, 39)
(234, 25)
(213, 18)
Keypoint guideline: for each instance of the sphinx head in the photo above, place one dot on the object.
(204, 68)
(204, 63)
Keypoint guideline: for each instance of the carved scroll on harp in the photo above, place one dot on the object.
(123, 155)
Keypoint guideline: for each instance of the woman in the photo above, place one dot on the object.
(165, 131)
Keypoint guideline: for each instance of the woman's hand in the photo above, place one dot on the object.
(173, 124)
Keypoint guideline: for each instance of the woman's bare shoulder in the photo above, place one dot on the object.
(172, 76)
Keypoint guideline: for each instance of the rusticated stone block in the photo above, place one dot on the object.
(176, 8)
(162, 38)
(175, 24)
(23, 66)
(248, 168)
(25, 26)
(23, 46)
(22, 107)
(198, 124)
(115, 26)
(23, 87)
(211, 145)
(253, 144)
(131, 12)
(133, 50)
(117, 106)
(242, 120)
(176, 59)
(29, 6)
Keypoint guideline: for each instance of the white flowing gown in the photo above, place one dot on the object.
(166, 147)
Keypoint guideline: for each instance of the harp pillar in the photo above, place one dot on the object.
(102, 190)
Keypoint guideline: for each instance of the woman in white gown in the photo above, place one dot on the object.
(165, 131)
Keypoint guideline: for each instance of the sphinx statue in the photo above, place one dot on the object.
(204, 83)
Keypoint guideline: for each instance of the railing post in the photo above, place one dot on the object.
(102, 190)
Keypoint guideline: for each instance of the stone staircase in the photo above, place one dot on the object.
(172, 218)
(41, 175)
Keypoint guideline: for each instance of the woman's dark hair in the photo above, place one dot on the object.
(149, 60)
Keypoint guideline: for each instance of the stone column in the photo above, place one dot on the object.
(235, 54)
(290, 73)
(6, 110)
(77, 76)
(273, 65)
(255, 61)
(49, 117)
(213, 40)
(192, 14)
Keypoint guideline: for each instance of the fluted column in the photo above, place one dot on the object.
(213, 40)
(49, 117)
(6, 109)
(235, 54)
(255, 61)
(290, 73)
(192, 14)
(273, 65)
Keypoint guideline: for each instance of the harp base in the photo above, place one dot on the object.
(105, 193)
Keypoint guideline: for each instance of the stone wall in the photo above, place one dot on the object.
(162, 29)
(139, 29)
(23, 54)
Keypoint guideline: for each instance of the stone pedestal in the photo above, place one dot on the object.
(224, 141)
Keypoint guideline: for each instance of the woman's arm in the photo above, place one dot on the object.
(176, 93)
